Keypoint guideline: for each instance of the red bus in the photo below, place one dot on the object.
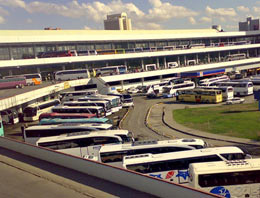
(67, 115)
(57, 54)
(18, 82)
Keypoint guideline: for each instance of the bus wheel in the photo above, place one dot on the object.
(207, 101)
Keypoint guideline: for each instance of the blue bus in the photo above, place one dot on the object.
(1, 127)
(50, 121)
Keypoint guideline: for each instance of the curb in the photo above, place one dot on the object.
(146, 122)
(120, 123)
(201, 136)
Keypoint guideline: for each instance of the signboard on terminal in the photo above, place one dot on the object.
(66, 85)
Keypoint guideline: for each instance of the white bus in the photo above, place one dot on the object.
(32, 133)
(105, 104)
(196, 46)
(72, 74)
(99, 111)
(155, 89)
(114, 100)
(172, 65)
(242, 88)
(239, 178)
(113, 154)
(75, 95)
(233, 57)
(227, 92)
(150, 67)
(111, 70)
(31, 79)
(84, 143)
(171, 90)
(173, 167)
(210, 81)
(33, 111)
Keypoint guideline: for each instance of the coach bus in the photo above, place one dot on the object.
(111, 70)
(33, 111)
(171, 90)
(238, 178)
(31, 79)
(33, 133)
(242, 88)
(7, 83)
(83, 144)
(227, 92)
(114, 154)
(200, 95)
(50, 121)
(57, 54)
(233, 57)
(173, 167)
(99, 111)
(210, 81)
(75, 95)
(72, 74)
(66, 115)
(105, 104)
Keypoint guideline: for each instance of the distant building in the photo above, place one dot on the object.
(249, 25)
(117, 22)
(50, 28)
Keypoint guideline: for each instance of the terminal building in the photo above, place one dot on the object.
(150, 55)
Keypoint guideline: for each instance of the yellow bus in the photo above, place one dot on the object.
(200, 96)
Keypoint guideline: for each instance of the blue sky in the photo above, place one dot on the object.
(145, 14)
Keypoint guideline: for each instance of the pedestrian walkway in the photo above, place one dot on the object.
(161, 114)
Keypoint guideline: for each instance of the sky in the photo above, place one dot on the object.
(145, 14)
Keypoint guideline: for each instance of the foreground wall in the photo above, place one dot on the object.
(123, 177)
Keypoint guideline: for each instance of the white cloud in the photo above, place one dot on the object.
(222, 12)
(256, 9)
(243, 9)
(29, 20)
(13, 3)
(192, 21)
(147, 26)
(2, 20)
(205, 20)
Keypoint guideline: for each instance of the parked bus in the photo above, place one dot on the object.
(111, 70)
(200, 95)
(171, 90)
(85, 143)
(196, 46)
(105, 104)
(114, 100)
(113, 154)
(75, 95)
(210, 81)
(150, 67)
(31, 79)
(243, 88)
(9, 117)
(1, 128)
(66, 115)
(33, 133)
(7, 83)
(50, 121)
(233, 57)
(173, 167)
(33, 111)
(57, 54)
(238, 178)
(227, 92)
(72, 74)
(99, 111)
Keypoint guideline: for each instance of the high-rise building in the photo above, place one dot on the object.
(118, 22)
(249, 25)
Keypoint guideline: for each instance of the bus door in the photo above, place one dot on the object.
(1, 127)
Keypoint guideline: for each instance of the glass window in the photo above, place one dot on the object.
(4, 53)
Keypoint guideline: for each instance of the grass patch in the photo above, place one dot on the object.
(240, 120)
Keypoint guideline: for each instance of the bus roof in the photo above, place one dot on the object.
(226, 166)
(153, 144)
(69, 136)
(41, 103)
(70, 125)
(138, 159)
(78, 107)
(69, 114)
(84, 102)
(78, 120)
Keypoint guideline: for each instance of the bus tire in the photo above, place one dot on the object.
(207, 101)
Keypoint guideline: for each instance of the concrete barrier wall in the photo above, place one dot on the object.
(123, 177)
